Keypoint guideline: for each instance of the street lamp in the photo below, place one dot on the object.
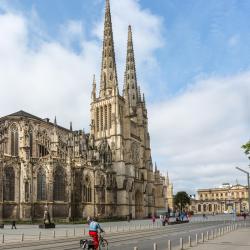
(248, 184)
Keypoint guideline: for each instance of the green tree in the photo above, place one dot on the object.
(246, 148)
(181, 199)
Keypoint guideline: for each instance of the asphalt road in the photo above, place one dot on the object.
(143, 239)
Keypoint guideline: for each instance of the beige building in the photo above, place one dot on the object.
(225, 199)
(108, 172)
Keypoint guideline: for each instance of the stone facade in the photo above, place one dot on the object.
(108, 172)
(225, 199)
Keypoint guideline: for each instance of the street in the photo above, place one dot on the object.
(123, 237)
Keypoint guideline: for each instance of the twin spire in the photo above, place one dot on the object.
(108, 81)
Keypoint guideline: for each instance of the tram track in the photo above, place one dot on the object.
(73, 243)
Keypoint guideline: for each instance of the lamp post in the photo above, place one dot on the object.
(248, 184)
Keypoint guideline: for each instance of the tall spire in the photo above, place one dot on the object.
(130, 72)
(109, 84)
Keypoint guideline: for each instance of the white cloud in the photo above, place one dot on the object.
(197, 135)
(47, 76)
(147, 31)
(48, 80)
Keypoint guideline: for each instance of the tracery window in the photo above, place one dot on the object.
(31, 143)
(87, 191)
(9, 184)
(106, 116)
(59, 184)
(14, 141)
(101, 118)
(97, 119)
(41, 185)
(110, 111)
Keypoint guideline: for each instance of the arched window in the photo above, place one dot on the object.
(210, 207)
(101, 118)
(110, 111)
(103, 192)
(87, 190)
(204, 207)
(31, 143)
(9, 184)
(199, 208)
(41, 185)
(14, 141)
(97, 119)
(106, 117)
(59, 184)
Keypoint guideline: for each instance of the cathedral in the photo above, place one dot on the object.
(107, 172)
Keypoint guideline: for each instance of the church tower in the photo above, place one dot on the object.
(107, 108)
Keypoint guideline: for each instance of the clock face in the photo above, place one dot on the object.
(135, 152)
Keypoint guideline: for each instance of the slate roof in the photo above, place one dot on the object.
(25, 114)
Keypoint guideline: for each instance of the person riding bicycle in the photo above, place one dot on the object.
(94, 228)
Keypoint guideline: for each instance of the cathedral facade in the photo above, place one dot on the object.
(107, 172)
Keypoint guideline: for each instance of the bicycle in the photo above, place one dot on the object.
(88, 244)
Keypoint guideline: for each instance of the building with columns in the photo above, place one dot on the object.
(107, 172)
(224, 199)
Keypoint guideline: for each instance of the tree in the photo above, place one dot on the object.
(181, 199)
(246, 148)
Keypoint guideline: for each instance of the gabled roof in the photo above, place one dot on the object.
(22, 113)
(25, 114)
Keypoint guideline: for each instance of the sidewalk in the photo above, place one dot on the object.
(237, 240)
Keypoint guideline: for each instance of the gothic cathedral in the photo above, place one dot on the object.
(106, 173)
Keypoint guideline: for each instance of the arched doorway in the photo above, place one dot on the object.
(139, 204)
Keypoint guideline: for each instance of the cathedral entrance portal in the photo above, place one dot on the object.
(139, 204)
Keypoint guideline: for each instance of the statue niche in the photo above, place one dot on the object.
(105, 154)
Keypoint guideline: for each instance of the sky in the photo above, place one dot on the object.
(193, 65)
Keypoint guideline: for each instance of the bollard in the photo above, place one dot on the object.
(169, 245)
(135, 248)
(202, 237)
(196, 239)
(74, 232)
(116, 228)
(181, 244)
(207, 235)
(3, 238)
(219, 232)
(189, 241)
(40, 236)
(54, 234)
(212, 234)
(22, 239)
(84, 231)
(155, 246)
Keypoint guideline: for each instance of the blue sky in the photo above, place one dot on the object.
(200, 37)
(192, 63)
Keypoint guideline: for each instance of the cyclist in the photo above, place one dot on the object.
(94, 228)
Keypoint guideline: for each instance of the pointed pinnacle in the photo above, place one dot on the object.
(71, 127)
(55, 122)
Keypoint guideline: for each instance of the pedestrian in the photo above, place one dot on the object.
(13, 224)
(128, 218)
(153, 219)
(244, 216)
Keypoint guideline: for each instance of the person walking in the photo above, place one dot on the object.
(13, 224)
